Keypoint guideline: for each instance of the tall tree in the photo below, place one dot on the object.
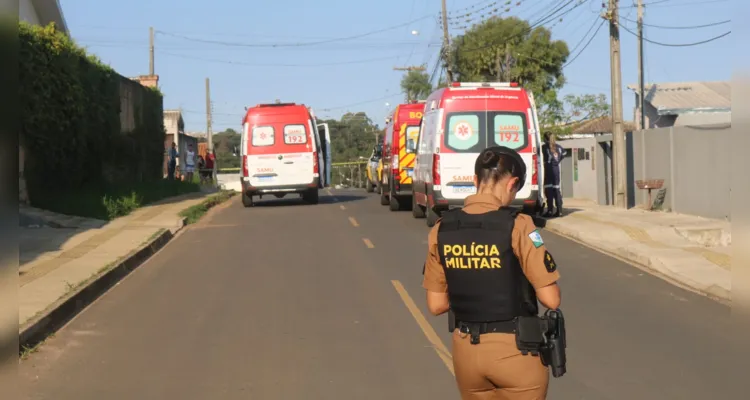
(352, 137)
(577, 108)
(585, 106)
(509, 50)
(227, 144)
(416, 85)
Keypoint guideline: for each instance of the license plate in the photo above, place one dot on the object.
(464, 189)
(410, 173)
(265, 178)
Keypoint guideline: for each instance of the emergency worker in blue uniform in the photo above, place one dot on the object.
(552, 155)
(482, 263)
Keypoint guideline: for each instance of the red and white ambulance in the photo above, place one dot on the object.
(283, 152)
(459, 122)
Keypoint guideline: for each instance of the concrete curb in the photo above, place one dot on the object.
(651, 263)
(64, 309)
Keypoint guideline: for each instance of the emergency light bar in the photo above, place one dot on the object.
(276, 105)
(485, 84)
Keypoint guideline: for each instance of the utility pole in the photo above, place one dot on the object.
(507, 62)
(502, 73)
(151, 52)
(618, 135)
(498, 67)
(447, 42)
(641, 79)
(209, 134)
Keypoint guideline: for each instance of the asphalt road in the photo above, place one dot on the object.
(292, 301)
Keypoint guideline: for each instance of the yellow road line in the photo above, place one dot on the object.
(342, 207)
(353, 222)
(368, 243)
(430, 333)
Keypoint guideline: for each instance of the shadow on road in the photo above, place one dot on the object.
(296, 200)
(541, 222)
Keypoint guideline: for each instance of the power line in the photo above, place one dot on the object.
(300, 44)
(495, 9)
(536, 24)
(348, 47)
(281, 65)
(576, 46)
(586, 45)
(469, 7)
(550, 17)
(653, 4)
(678, 45)
(680, 27)
(585, 35)
(363, 102)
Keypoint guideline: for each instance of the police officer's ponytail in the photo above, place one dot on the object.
(498, 162)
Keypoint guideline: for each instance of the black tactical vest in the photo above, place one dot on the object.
(485, 279)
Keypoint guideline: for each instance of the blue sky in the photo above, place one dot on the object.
(247, 74)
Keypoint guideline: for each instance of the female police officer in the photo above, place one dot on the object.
(480, 261)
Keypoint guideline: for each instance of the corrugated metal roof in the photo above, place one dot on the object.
(680, 97)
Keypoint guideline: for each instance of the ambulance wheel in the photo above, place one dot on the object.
(432, 217)
(247, 201)
(311, 196)
(416, 210)
(370, 187)
(384, 200)
(394, 204)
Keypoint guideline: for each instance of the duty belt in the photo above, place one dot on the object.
(480, 328)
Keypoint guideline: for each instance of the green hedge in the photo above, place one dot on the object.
(70, 110)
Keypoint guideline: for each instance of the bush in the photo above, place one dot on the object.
(71, 123)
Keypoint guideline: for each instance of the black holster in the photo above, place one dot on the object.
(529, 335)
(544, 336)
(553, 352)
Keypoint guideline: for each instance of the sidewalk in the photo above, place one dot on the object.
(61, 255)
(690, 251)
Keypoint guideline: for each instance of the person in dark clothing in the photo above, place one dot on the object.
(172, 161)
(553, 154)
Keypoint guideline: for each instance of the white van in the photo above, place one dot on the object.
(459, 122)
(283, 152)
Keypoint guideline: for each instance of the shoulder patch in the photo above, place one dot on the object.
(536, 238)
(549, 262)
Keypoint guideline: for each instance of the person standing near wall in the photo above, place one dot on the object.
(172, 161)
(553, 154)
(189, 163)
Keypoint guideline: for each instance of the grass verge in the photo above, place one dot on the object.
(108, 203)
(194, 213)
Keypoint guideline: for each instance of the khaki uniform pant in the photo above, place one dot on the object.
(495, 369)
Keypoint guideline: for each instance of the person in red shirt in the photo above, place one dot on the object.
(209, 168)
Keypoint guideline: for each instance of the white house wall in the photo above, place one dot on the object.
(27, 12)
